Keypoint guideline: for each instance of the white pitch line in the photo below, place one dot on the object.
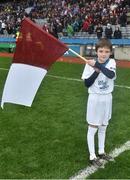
(4, 69)
(82, 174)
(65, 78)
(121, 86)
(79, 80)
(72, 79)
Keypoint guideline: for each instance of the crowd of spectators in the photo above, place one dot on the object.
(65, 16)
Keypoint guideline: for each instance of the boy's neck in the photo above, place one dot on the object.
(102, 62)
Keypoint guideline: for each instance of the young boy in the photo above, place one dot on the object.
(99, 76)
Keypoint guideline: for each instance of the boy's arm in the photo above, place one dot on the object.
(88, 82)
(110, 74)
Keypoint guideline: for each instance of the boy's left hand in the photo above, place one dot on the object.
(96, 69)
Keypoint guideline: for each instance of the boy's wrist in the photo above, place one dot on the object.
(98, 65)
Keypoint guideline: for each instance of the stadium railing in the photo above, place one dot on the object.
(82, 45)
(86, 46)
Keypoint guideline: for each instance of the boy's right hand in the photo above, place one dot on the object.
(91, 62)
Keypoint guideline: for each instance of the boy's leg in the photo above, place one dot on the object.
(91, 142)
(101, 143)
(101, 139)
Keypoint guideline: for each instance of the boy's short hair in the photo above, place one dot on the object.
(103, 42)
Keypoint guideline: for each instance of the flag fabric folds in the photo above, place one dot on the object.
(36, 50)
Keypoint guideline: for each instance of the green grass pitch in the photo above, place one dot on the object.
(48, 140)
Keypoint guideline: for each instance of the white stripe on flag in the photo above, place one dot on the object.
(22, 84)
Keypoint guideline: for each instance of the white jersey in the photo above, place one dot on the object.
(102, 84)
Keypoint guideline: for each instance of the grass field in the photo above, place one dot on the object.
(48, 140)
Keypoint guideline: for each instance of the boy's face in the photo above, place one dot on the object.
(103, 54)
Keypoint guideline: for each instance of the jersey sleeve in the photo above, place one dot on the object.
(112, 67)
(87, 72)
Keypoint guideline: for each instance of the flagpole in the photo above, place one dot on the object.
(78, 55)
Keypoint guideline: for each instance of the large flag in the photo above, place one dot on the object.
(36, 50)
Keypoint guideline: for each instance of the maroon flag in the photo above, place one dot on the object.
(35, 52)
(37, 47)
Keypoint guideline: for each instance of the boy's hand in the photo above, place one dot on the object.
(97, 70)
(91, 62)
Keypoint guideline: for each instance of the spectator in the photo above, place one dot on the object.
(91, 29)
(45, 28)
(117, 33)
(9, 29)
(3, 27)
(53, 30)
(86, 24)
(99, 31)
(108, 31)
(70, 30)
(123, 19)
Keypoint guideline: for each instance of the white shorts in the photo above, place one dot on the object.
(99, 109)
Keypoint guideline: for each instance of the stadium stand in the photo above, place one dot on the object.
(58, 14)
(66, 18)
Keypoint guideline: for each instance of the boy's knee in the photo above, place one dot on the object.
(93, 126)
(102, 128)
